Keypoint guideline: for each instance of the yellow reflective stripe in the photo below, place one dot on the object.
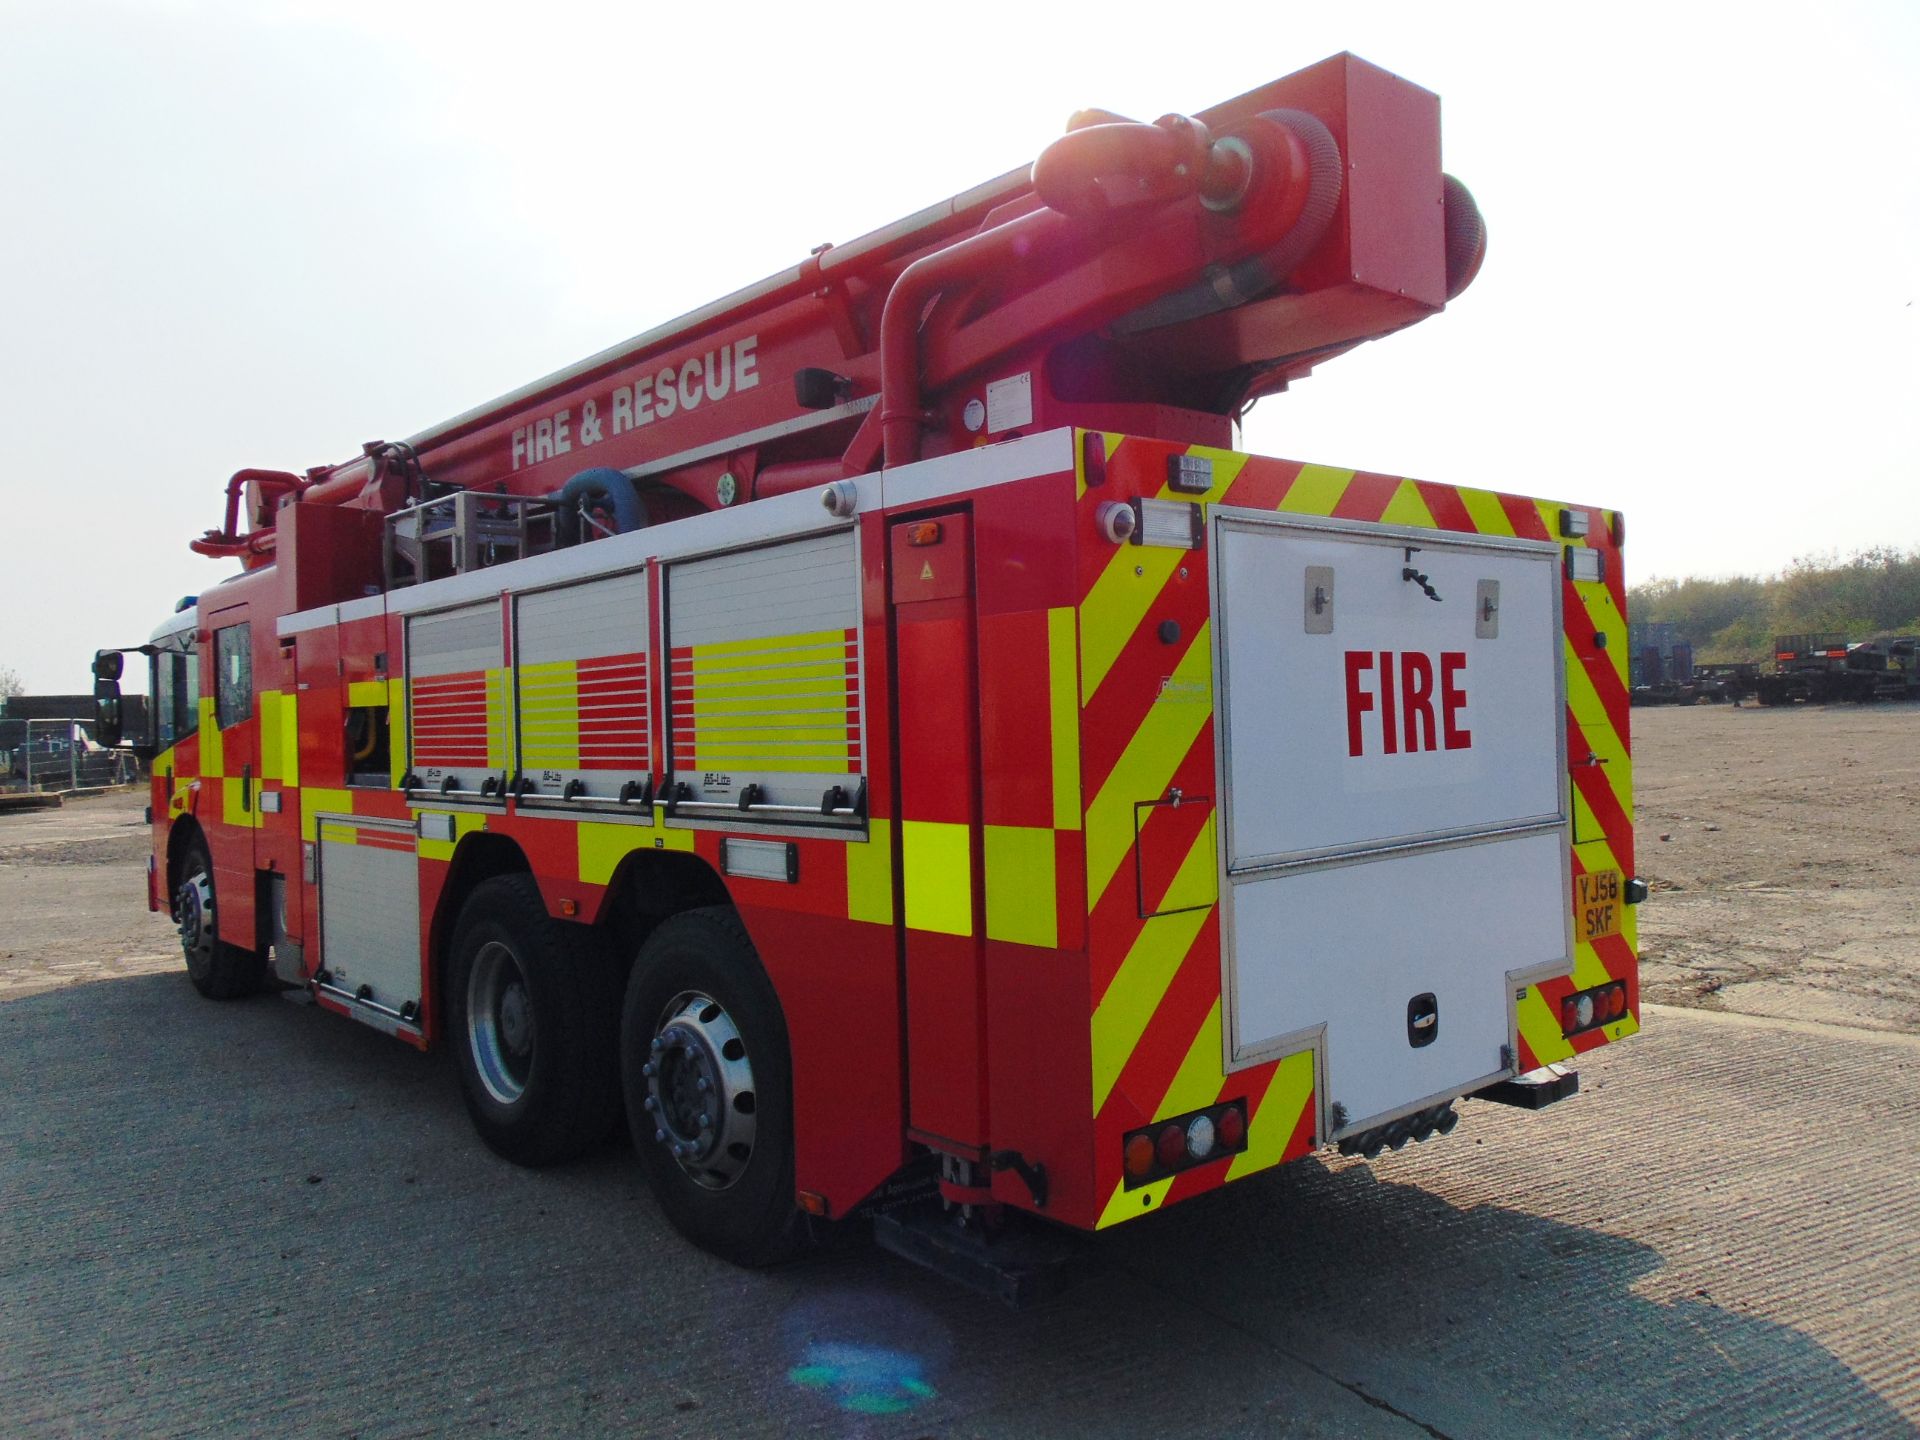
(465, 822)
(1146, 766)
(500, 718)
(770, 703)
(1199, 885)
(1272, 1126)
(1604, 617)
(550, 715)
(236, 806)
(1489, 516)
(1408, 507)
(1540, 1028)
(822, 644)
(315, 802)
(938, 873)
(280, 737)
(1125, 1204)
(827, 696)
(1020, 885)
(290, 739)
(604, 845)
(364, 694)
(870, 875)
(397, 730)
(1141, 982)
(1197, 1082)
(743, 682)
(1587, 708)
(337, 832)
(269, 734)
(211, 758)
(1063, 696)
(1115, 606)
(1316, 490)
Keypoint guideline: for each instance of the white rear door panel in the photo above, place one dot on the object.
(1394, 781)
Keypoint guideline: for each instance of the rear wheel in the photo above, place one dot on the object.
(218, 970)
(532, 1009)
(707, 1075)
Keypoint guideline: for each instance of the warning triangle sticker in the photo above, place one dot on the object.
(926, 570)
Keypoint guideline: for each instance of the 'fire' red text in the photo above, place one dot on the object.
(1401, 695)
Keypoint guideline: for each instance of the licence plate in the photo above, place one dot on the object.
(1599, 904)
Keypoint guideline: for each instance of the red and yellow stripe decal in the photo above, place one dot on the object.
(1146, 702)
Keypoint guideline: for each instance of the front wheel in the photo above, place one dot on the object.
(218, 970)
(707, 1075)
(532, 1008)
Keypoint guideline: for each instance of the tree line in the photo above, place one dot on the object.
(1872, 593)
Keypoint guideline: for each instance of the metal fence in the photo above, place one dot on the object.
(59, 755)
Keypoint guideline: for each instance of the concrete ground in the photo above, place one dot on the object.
(246, 1218)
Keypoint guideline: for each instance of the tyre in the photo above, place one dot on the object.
(708, 1082)
(218, 970)
(533, 1012)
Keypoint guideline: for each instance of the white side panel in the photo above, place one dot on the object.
(370, 912)
(801, 586)
(1389, 719)
(582, 622)
(1348, 946)
(454, 642)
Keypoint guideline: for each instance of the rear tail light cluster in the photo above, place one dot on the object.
(1167, 1147)
(1590, 1009)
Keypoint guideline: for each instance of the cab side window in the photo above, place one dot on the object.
(177, 687)
(233, 657)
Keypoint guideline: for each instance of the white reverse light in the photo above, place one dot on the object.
(1200, 1136)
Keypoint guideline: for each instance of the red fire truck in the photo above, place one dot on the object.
(877, 733)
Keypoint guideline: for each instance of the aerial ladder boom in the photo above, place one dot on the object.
(1156, 278)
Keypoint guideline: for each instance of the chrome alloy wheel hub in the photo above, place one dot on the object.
(500, 1026)
(700, 1090)
(194, 907)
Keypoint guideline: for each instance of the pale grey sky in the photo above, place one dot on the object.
(261, 233)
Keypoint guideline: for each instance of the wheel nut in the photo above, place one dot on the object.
(649, 1070)
(660, 1136)
(705, 1084)
(650, 1103)
(706, 1122)
(659, 1044)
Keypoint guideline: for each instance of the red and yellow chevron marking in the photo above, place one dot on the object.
(1147, 727)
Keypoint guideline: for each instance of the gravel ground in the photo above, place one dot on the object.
(1783, 845)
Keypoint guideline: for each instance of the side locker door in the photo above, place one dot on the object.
(937, 746)
(229, 808)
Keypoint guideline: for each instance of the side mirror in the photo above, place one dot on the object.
(106, 709)
(107, 665)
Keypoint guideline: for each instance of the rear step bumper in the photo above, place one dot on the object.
(1534, 1090)
(1017, 1263)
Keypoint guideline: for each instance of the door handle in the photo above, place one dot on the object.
(246, 787)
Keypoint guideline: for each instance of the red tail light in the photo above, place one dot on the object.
(1184, 1142)
(1171, 1145)
(1231, 1127)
